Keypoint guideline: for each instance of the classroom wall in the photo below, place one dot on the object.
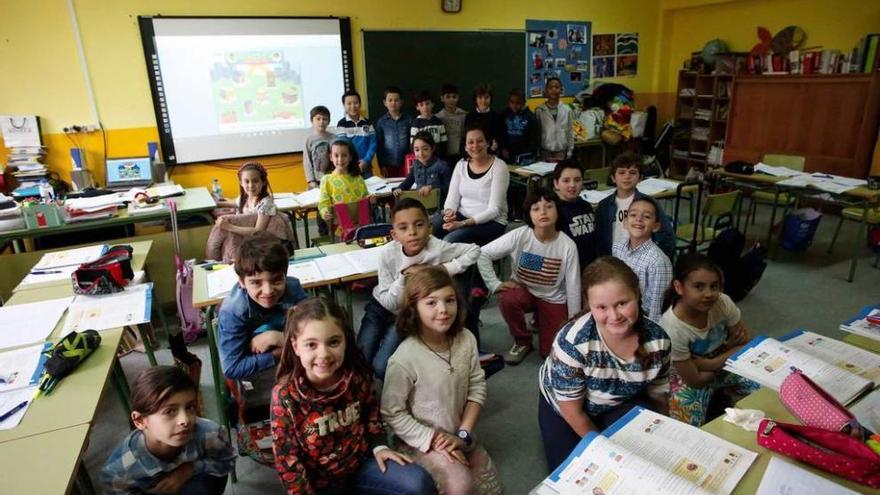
(38, 41)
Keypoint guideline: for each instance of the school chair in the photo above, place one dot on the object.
(348, 216)
(431, 202)
(785, 200)
(716, 215)
(855, 213)
(219, 381)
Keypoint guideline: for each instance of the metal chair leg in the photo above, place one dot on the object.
(836, 233)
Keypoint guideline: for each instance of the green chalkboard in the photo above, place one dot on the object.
(417, 60)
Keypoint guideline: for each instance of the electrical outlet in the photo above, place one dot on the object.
(76, 129)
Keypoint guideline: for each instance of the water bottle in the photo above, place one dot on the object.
(45, 191)
(215, 188)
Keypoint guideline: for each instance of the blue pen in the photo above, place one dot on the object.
(12, 411)
(44, 272)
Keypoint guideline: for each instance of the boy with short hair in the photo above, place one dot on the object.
(644, 257)
(521, 133)
(251, 319)
(316, 159)
(557, 137)
(487, 118)
(453, 119)
(412, 248)
(392, 134)
(428, 122)
(359, 130)
(626, 171)
(575, 213)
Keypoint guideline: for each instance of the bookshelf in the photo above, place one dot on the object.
(702, 110)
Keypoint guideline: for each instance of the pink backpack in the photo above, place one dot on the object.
(191, 322)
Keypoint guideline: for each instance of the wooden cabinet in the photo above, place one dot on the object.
(701, 112)
(829, 119)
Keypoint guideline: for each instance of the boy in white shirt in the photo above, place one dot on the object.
(413, 247)
(545, 275)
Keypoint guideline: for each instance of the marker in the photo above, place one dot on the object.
(12, 411)
(44, 272)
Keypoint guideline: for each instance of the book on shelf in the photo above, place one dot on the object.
(646, 452)
(866, 323)
(843, 370)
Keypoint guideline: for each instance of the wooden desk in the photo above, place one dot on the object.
(196, 201)
(46, 463)
(140, 250)
(768, 401)
(76, 398)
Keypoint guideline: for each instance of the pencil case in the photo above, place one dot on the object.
(813, 406)
(831, 451)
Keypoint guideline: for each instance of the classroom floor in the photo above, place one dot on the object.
(798, 290)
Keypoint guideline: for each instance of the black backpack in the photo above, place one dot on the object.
(741, 272)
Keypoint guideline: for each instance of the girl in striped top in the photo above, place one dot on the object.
(602, 363)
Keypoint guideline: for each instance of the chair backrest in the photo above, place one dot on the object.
(431, 201)
(793, 162)
(600, 175)
(349, 216)
(720, 204)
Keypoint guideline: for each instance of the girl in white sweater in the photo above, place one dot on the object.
(545, 277)
(434, 387)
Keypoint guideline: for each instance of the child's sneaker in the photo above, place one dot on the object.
(516, 354)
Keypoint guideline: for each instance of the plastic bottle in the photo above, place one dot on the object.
(216, 189)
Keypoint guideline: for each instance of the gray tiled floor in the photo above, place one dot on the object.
(799, 290)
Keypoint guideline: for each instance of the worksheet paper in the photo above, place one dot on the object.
(777, 171)
(70, 257)
(861, 326)
(833, 365)
(336, 266)
(129, 307)
(647, 453)
(594, 196)
(652, 186)
(22, 324)
(785, 478)
(17, 367)
(365, 260)
(307, 272)
(62, 273)
(377, 185)
(221, 281)
(540, 168)
(9, 400)
(308, 198)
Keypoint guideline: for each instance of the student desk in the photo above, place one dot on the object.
(302, 212)
(140, 250)
(58, 289)
(766, 400)
(196, 201)
(76, 397)
(46, 462)
(863, 342)
(860, 197)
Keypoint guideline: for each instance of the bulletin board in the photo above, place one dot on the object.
(557, 49)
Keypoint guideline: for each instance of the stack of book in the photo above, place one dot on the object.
(866, 323)
(27, 161)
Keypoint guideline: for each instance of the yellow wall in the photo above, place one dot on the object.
(37, 35)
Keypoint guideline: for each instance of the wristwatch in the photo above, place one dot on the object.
(465, 436)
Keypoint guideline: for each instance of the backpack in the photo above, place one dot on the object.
(741, 272)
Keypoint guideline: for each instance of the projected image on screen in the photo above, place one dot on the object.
(257, 89)
(242, 87)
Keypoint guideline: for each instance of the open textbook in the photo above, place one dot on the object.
(334, 266)
(645, 452)
(860, 325)
(843, 370)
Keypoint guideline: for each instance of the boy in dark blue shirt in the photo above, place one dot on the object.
(428, 122)
(521, 134)
(392, 135)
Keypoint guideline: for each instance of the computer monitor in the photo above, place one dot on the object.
(130, 172)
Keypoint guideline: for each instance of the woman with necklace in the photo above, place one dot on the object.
(434, 387)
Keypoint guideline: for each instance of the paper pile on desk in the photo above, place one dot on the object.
(22, 324)
(9, 400)
(336, 266)
(777, 171)
(129, 307)
(652, 186)
(70, 257)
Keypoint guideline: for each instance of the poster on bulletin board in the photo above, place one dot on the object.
(557, 49)
(615, 55)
